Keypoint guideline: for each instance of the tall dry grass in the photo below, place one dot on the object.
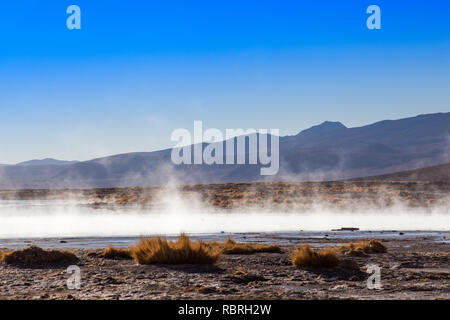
(36, 255)
(371, 246)
(306, 257)
(183, 251)
(232, 247)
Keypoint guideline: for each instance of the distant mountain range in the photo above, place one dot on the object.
(46, 161)
(329, 151)
(433, 174)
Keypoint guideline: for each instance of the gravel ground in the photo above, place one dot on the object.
(411, 269)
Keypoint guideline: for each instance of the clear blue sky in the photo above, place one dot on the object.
(137, 70)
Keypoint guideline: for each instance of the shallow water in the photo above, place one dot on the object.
(47, 222)
(279, 238)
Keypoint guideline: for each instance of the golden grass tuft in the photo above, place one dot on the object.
(92, 253)
(371, 246)
(35, 255)
(306, 257)
(116, 253)
(240, 273)
(232, 247)
(183, 251)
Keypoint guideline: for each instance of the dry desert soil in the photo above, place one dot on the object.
(410, 269)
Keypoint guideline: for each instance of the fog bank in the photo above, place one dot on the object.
(51, 219)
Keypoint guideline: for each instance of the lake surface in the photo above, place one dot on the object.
(279, 238)
(76, 225)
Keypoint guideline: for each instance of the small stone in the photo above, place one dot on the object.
(349, 264)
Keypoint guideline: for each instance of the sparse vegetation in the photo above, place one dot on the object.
(183, 251)
(35, 255)
(306, 257)
(285, 195)
(240, 272)
(232, 247)
(116, 253)
(371, 246)
(92, 253)
(289, 195)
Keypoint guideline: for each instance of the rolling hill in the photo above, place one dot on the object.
(439, 173)
(329, 151)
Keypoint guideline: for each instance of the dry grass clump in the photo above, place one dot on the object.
(232, 247)
(371, 246)
(183, 251)
(35, 255)
(93, 253)
(116, 253)
(307, 257)
(240, 273)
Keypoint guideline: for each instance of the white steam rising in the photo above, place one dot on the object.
(31, 219)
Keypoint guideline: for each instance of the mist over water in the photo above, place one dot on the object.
(41, 219)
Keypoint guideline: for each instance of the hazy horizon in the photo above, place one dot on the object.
(168, 147)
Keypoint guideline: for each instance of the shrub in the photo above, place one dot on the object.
(371, 246)
(232, 247)
(116, 253)
(36, 255)
(183, 251)
(307, 257)
(93, 253)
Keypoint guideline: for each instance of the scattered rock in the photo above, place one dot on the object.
(410, 264)
(339, 287)
(348, 264)
(346, 229)
(355, 252)
(206, 290)
(247, 278)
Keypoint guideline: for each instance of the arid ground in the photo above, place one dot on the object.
(412, 268)
(285, 195)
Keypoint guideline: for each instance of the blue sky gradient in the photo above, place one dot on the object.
(137, 70)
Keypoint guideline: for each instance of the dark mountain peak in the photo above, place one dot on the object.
(328, 151)
(324, 127)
